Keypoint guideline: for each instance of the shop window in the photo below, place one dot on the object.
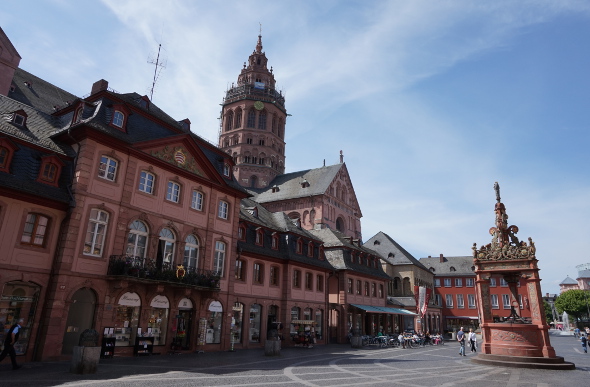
(157, 326)
(146, 182)
(107, 168)
(307, 314)
(137, 239)
(126, 319)
(254, 331)
(257, 273)
(320, 283)
(19, 300)
(214, 322)
(296, 279)
(240, 266)
(173, 192)
(35, 230)
(96, 232)
(238, 318)
(295, 313)
(183, 338)
(274, 275)
(219, 259)
(319, 323)
(191, 254)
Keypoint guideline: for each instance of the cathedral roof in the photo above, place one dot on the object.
(569, 281)
(391, 251)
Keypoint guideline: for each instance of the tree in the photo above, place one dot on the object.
(573, 302)
(548, 312)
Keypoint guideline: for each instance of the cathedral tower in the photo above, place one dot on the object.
(253, 123)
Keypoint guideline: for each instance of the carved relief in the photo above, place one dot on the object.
(521, 337)
(177, 156)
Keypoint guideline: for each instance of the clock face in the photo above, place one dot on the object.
(258, 105)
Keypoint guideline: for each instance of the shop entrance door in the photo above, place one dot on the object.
(80, 318)
(334, 319)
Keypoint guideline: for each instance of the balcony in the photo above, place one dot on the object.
(148, 270)
(249, 91)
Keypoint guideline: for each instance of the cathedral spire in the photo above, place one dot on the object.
(259, 45)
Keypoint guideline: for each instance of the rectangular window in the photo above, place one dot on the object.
(240, 270)
(146, 182)
(275, 242)
(350, 286)
(438, 300)
(197, 201)
(460, 301)
(506, 301)
(492, 282)
(35, 230)
(219, 260)
(308, 281)
(494, 299)
(296, 279)
(274, 276)
(95, 234)
(359, 288)
(173, 193)
(437, 282)
(367, 289)
(381, 291)
(373, 290)
(222, 210)
(257, 274)
(447, 282)
(107, 168)
(49, 171)
(471, 301)
(520, 301)
(458, 282)
(449, 300)
(503, 282)
(469, 282)
(319, 283)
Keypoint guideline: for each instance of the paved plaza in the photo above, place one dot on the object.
(330, 365)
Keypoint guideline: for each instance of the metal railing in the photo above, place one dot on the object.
(151, 269)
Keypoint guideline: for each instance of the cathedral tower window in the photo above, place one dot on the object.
(261, 141)
(229, 121)
(262, 120)
(238, 118)
(274, 123)
(249, 140)
(251, 119)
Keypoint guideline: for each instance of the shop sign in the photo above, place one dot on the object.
(160, 302)
(185, 303)
(215, 306)
(18, 298)
(130, 299)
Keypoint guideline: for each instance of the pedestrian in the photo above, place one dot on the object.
(472, 340)
(577, 332)
(461, 340)
(10, 341)
(401, 340)
(584, 341)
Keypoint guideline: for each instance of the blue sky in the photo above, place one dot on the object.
(431, 102)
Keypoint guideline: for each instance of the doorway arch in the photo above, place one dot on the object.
(80, 318)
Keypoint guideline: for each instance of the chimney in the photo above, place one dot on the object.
(99, 86)
(442, 258)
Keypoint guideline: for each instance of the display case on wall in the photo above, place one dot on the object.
(125, 325)
(144, 346)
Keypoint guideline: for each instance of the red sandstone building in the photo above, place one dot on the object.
(454, 285)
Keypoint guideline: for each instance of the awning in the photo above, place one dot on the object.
(303, 322)
(383, 309)
(463, 317)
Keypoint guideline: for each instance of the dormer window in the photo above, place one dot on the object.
(304, 184)
(275, 241)
(226, 170)
(118, 119)
(50, 170)
(7, 150)
(19, 119)
(310, 249)
(275, 188)
(242, 233)
(299, 246)
(259, 236)
(78, 114)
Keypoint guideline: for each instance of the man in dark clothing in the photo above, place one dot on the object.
(10, 341)
(461, 340)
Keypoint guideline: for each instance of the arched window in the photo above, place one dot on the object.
(219, 259)
(229, 121)
(262, 120)
(166, 246)
(251, 118)
(310, 249)
(259, 237)
(406, 287)
(137, 239)
(238, 118)
(191, 253)
(299, 246)
(253, 181)
(280, 128)
(274, 123)
(340, 224)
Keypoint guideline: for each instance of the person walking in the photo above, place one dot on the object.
(10, 341)
(584, 341)
(472, 340)
(461, 340)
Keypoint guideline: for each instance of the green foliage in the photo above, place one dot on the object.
(548, 313)
(573, 302)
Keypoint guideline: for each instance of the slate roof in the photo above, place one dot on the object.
(385, 246)
(584, 274)
(340, 258)
(569, 281)
(462, 264)
(280, 223)
(289, 184)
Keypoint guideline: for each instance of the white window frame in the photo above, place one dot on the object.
(469, 282)
(503, 283)
(107, 168)
(219, 259)
(146, 182)
(223, 209)
(191, 252)
(449, 300)
(96, 232)
(226, 170)
(437, 282)
(458, 282)
(494, 301)
(447, 282)
(492, 282)
(520, 301)
(118, 118)
(137, 239)
(471, 301)
(460, 301)
(173, 192)
(506, 301)
(197, 200)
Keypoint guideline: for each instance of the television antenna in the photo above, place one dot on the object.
(158, 66)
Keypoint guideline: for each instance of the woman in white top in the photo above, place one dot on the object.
(472, 340)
